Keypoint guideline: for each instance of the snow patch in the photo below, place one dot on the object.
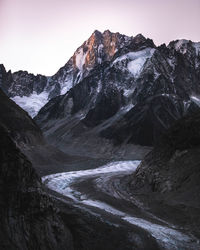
(128, 92)
(33, 103)
(100, 48)
(195, 99)
(171, 62)
(67, 85)
(99, 87)
(80, 59)
(197, 48)
(181, 46)
(100, 51)
(136, 60)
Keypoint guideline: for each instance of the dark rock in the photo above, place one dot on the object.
(28, 218)
(5, 79)
(167, 180)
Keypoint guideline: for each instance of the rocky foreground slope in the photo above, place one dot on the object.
(28, 218)
(169, 175)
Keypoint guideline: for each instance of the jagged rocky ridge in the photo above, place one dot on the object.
(27, 90)
(32, 92)
(120, 88)
(132, 97)
(28, 219)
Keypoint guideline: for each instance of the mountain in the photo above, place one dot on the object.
(32, 92)
(114, 88)
(170, 174)
(131, 97)
(98, 49)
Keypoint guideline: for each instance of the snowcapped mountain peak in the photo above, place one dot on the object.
(99, 48)
(139, 38)
(122, 60)
(102, 47)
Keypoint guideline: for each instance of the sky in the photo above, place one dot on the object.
(41, 35)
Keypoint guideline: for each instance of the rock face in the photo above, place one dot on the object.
(5, 79)
(24, 84)
(170, 174)
(28, 217)
(27, 90)
(174, 161)
(131, 95)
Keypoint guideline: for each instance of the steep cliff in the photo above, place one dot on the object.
(28, 218)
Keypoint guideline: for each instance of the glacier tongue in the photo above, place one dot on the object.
(33, 103)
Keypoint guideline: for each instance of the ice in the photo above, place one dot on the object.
(68, 177)
(61, 182)
(195, 99)
(33, 103)
(169, 238)
(165, 234)
(104, 206)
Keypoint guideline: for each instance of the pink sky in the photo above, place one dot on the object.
(41, 35)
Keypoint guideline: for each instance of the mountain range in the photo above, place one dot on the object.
(114, 99)
(114, 88)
